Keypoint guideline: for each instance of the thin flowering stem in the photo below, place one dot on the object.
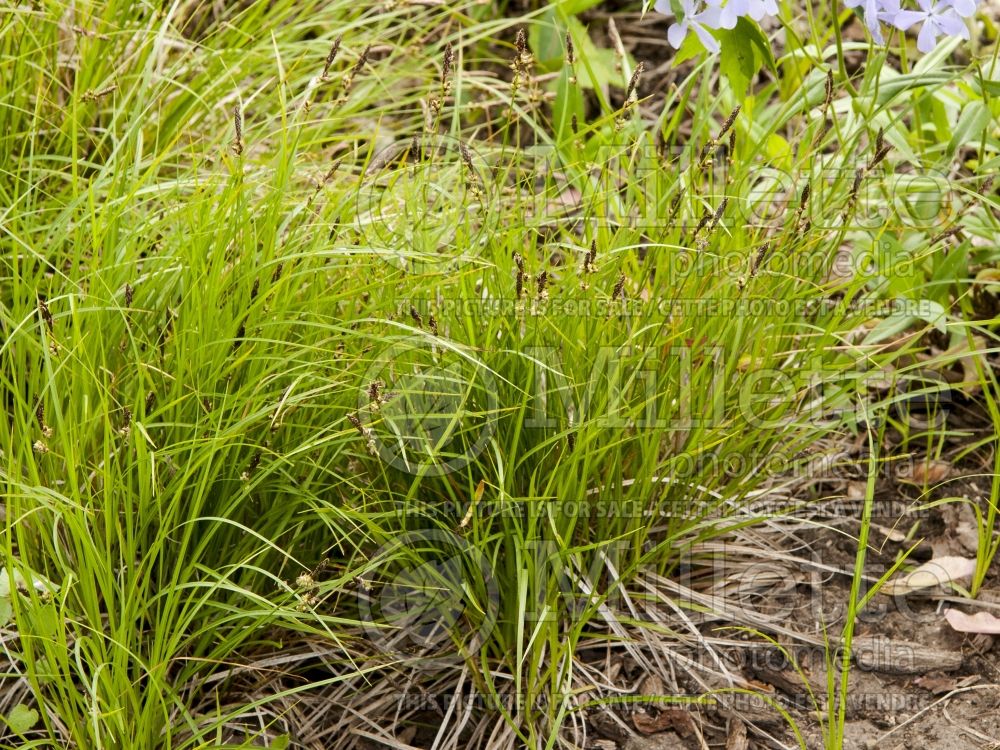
(841, 60)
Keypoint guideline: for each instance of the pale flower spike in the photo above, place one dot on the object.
(937, 18)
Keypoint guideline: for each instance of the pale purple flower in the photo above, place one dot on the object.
(729, 13)
(700, 21)
(964, 8)
(888, 11)
(756, 9)
(876, 11)
(938, 18)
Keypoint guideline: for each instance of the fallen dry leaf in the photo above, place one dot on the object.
(651, 685)
(960, 535)
(891, 535)
(936, 684)
(678, 719)
(924, 472)
(936, 572)
(939, 684)
(737, 739)
(981, 622)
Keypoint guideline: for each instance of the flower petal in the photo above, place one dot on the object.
(756, 9)
(906, 18)
(728, 17)
(710, 42)
(952, 25)
(676, 34)
(964, 8)
(888, 10)
(927, 38)
(710, 17)
(663, 6)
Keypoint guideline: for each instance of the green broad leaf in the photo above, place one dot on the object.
(745, 51)
(546, 38)
(21, 718)
(948, 268)
(896, 265)
(6, 610)
(933, 313)
(779, 150)
(43, 620)
(888, 328)
(925, 310)
(937, 58)
(990, 87)
(933, 111)
(568, 102)
(691, 47)
(572, 7)
(901, 84)
(974, 119)
(761, 45)
(595, 67)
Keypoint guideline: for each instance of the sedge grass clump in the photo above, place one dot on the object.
(435, 428)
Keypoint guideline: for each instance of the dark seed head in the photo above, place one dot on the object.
(331, 56)
(240, 333)
(238, 127)
(543, 280)
(43, 309)
(619, 291)
(589, 262)
(362, 61)
(730, 121)
(633, 83)
(447, 64)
